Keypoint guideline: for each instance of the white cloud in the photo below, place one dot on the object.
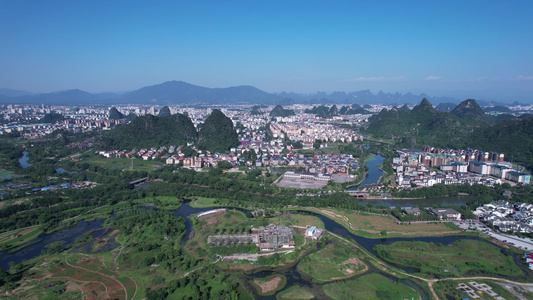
(379, 78)
(478, 79)
(522, 77)
(433, 78)
(290, 79)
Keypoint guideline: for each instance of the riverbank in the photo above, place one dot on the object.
(375, 226)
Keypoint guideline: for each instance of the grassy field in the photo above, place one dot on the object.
(369, 287)
(13, 201)
(297, 220)
(369, 225)
(5, 174)
(296, 292)
(200, 202)
(77, 276)
(269, 285)
(462, 258)
(123, 163)
(337, 260)
(9, 241)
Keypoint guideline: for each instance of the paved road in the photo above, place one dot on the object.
(521, 243)
(517, 242)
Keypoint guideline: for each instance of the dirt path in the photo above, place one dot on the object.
(84, 281)
(115, 264)
(253, 257)
(134, 293)
(101, 274)
(192, 271)
(85, 213)
(116, 257)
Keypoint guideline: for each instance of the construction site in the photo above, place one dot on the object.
(266, 238)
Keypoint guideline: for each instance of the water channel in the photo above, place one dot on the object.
(372, 177)
(374, 171)
(68, 235)
(37, 245)
(24, 163)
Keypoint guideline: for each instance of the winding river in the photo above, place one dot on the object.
(68, 235)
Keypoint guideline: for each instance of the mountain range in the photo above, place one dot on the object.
(179, 92)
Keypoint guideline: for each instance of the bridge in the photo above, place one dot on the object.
(139, 181)
(359, 195)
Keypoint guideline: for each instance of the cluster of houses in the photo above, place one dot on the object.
(22, 119)
(507, 217)
(266, 238)
(528, 257)
(76, 125)
(318, 164)
(416, 168)
(446, 214)
(309, 133)
(144, 153)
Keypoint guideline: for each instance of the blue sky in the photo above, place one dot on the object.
(437, 47)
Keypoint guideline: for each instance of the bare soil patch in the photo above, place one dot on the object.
(89, 274)
(211, 219)
(270, 285)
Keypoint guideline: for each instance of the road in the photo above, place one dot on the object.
(511, 240)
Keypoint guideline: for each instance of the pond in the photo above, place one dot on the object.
(61, 171)
(68, 235)
(24, 160)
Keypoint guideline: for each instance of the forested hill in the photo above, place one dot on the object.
(151, 131)
(423, 125)
(513, 137)
(216, 134)
(466, 126)
(114, 114)
(279, 111)
(469, 110)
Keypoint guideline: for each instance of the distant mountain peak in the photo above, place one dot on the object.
(469, 110)
(424, 106)
(14, 93)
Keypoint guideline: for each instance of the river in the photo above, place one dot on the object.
(372, 177)
(68, 235)
(374, 171)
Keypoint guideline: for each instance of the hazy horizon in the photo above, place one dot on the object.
(438, 48)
